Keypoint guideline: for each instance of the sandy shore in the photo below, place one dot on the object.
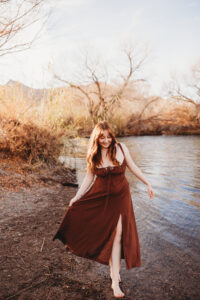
(35, 267)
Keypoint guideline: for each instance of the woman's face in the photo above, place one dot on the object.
(105, 139)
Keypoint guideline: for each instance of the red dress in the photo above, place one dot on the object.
(89, 225)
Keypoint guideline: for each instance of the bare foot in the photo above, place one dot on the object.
(116, 290)
(119, 278)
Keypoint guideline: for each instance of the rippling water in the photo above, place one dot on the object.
(172, 165)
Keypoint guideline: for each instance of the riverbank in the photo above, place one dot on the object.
(34, 267)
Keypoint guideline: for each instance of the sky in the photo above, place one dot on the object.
(170, 29)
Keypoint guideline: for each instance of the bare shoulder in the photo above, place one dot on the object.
(124, 147)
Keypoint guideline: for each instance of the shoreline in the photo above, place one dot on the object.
(167, 133)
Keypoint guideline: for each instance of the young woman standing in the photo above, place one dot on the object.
(99, 223)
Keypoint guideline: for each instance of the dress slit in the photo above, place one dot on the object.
(121, 241)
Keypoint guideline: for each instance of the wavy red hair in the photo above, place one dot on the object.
(94, 158)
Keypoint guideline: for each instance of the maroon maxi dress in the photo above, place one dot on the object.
(89, 225)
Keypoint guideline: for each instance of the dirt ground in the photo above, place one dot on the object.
(32, 266)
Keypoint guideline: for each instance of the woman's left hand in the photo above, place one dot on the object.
(150, 191)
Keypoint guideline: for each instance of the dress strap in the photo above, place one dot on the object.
(121, 148)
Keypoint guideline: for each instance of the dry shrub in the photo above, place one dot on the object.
(174, 119)
(118, 123)
(29, 141)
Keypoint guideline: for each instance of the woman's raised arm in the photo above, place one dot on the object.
(135, 170)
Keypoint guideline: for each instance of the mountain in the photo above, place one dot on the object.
(27, 92)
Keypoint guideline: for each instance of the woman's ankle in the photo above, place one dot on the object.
(115, 282)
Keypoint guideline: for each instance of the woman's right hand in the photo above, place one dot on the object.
(72, 201)
(150, 191)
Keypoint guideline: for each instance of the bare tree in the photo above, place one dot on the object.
(187, 89)
(15, 17)
(102, 98)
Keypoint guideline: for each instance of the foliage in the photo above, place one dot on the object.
(29, 142)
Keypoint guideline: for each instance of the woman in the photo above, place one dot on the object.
(100, 223)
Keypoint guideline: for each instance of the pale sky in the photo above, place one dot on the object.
(170, 28)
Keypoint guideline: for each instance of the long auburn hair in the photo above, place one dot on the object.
(94, 157)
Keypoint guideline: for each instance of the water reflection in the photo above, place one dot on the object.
(172, 166)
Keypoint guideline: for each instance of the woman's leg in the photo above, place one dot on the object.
(110, 263)
(115, 259)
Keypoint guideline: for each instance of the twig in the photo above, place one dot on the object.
(20, 256)
(25, 289)
(42, 245)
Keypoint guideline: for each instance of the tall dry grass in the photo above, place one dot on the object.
(25, 132)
